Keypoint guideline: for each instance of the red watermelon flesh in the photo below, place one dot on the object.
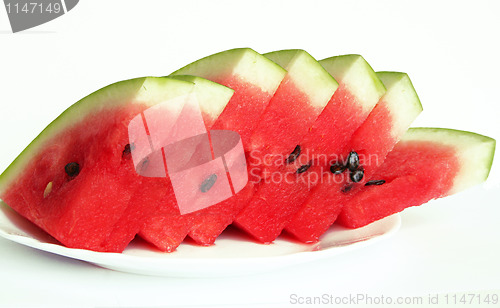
(406, 172)
(158, 122)
(248, 103)
(346, 110)
(265, 220)
(254, 80)
(81, 205)
(372, 141)
(76, 210)
(266, 214)
(207, 224)
(427, 164)
(160, 228)
(298, 101)
(169, 213)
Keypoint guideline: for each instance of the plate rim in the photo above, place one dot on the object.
(167, 266)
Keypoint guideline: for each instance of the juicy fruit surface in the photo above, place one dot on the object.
(243, 111)
(78, 181)
(410, 179)
(276, 199)
(285, 121)
(370, 144)
(241, 115)
(79, 211)
(208, 224)
(320, 140)
(91, 209)
(343, 114)
(427, 163)
(299, 100)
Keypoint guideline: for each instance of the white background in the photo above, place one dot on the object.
(450, 50)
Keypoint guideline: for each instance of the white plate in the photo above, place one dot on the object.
(234, 254)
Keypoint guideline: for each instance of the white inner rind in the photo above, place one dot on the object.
(474, 152)
(244, 63)
(307, 75)
(401, 100)
(358, 77)
(212, 97)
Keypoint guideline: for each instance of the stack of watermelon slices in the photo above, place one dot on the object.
(325, 142)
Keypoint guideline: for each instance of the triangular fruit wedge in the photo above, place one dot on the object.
(74, 180)
(150, 194)
(364, 153)
(428, 163)
(299, 99)
(282, 193)
(254, 78)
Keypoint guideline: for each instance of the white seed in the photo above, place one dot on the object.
(47, 190)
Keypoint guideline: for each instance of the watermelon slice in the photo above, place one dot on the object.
(299, 100)
(254, 79)
(57, 181)
(371, 143)
(276, 201)
(80, 189)
(92, 178)
(428, 163)
(151, 193)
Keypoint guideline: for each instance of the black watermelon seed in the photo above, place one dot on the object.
(303, 168)
(208, 183)
(375, 182)
(337, 168)
(347, 188)
(353, 161)
(293, 156)
(126, 151)
(72, 169)
(357, 175)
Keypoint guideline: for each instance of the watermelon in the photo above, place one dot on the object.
(102, 171)
(77, 189)
(371, 143)
(150, 195)
(298, 101)
(254, 79)
(277, 200)
(428, 163)
(63, 167)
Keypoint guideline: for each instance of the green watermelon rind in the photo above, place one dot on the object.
(244, 63)
(401, 100)
(354, 72)
(474, 151)
(306, 73)
(215, 96)
(144, 90)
